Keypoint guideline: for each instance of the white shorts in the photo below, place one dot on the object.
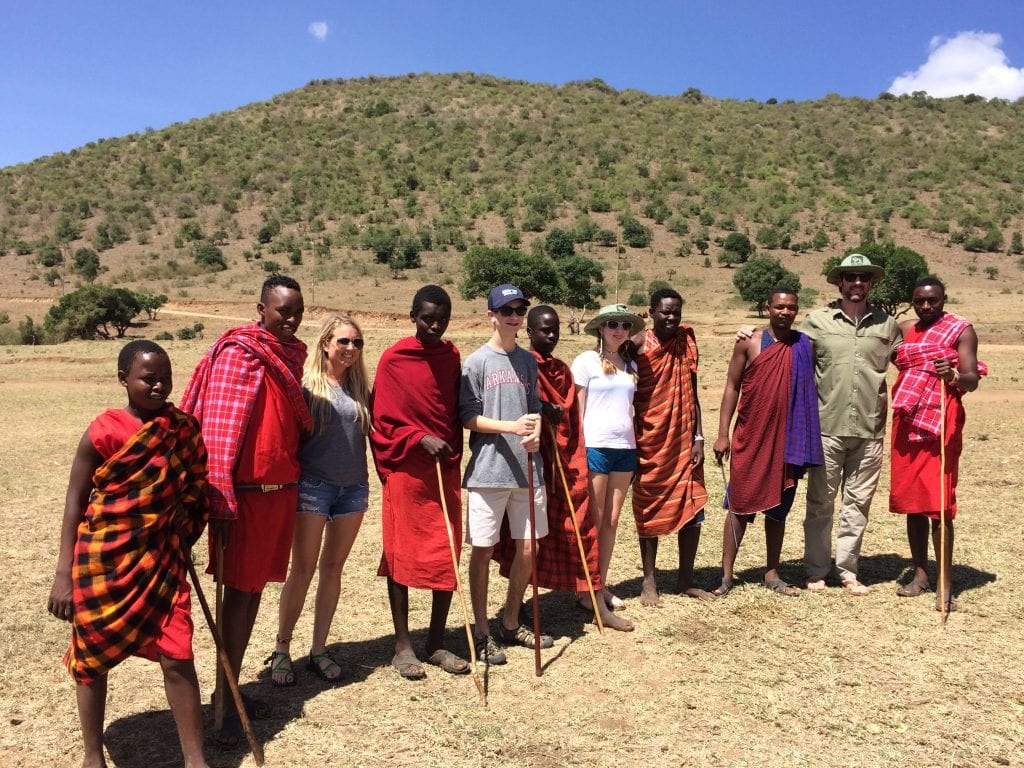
(488, 506)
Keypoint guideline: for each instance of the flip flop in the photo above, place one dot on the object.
(913, 589)
(855, 588)
(230, 734)
(281, 665)
(448, 661)
(322, 663)
(723, 588)
(408, 666)
(951, 604)
(615, 602)
(779, 587)
(816, 585)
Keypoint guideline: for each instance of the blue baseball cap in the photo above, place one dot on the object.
(504, 294)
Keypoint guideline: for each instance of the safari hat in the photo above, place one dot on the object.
(614, 312)
(855, 262)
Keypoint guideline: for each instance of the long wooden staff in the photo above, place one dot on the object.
(218, 691)
(943, 593)
(250, 736)
(575, 527)
(732, 520)
(533, 570)
(458, 583)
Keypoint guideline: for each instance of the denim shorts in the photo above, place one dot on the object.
(319, 498)
(603, 461)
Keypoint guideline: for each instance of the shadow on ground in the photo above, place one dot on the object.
(874, 570)
(150, 739)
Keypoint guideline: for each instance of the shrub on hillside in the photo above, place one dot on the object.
(754, 279)
(209, 257)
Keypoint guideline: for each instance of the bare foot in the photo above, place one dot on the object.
(649, 594)
(94, 761)
(612, 621)
(699, 594)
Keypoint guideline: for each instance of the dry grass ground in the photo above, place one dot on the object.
(753, 679)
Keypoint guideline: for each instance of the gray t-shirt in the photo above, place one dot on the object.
(498, 385)
(336, 454)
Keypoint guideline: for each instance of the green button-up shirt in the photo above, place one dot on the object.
(850, 362)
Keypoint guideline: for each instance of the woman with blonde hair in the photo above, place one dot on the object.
(333, 492)
(605, 384)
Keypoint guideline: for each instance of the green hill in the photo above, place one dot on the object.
(340, 177)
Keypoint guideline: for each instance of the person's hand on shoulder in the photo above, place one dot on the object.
(745, 333)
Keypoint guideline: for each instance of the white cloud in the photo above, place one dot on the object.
(319, 30)
(971, 62)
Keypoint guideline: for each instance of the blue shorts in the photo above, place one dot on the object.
(604, 461)
(777, 513)
(319, 498)
(697, 522)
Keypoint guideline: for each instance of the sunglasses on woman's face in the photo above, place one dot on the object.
(343, 342)
(508, 311)
(616, 324)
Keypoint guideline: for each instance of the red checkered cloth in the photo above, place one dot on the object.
(222, 392)
(128, 564)
(918, 391)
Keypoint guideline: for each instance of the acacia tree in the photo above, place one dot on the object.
(90, 311)
(575, 281)
(483, 268)
(151, 303)
(903, 268)
(758, 276)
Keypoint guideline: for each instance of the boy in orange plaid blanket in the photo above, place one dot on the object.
(137, 487)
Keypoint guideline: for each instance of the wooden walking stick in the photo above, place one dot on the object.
(944, 596)
(575, 527)
(533, 569)
(218, 691)
(222, 656)
(458, 584)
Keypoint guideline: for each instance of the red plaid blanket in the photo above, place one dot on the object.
(128, 555)
(917, 393)
(222, 392)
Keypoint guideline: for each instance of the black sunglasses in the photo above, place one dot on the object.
(614, 324)
(853, 277)
(508, 311)
(343, 342)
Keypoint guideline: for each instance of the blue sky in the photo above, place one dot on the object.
(73, 72)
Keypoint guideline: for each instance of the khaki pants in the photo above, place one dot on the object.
(855, 463)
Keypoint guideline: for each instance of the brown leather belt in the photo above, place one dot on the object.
(264, 488)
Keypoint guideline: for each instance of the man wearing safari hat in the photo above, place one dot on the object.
(853, 342)
(668, 493)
